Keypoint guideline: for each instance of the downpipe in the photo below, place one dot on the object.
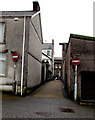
(75, 85)
(23, 57)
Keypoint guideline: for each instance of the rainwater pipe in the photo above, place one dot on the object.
(23, 57)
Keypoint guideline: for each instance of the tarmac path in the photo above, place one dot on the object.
(48, 101)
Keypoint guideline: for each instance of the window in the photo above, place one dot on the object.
(48, 53)
(2, 63)
(56, 66)
(2, 26)
(59, 66)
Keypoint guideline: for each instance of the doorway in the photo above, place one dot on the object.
(87, 85)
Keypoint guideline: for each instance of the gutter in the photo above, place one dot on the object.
(36, 13)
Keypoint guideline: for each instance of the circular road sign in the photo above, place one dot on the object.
(15, 56)
(75, 61)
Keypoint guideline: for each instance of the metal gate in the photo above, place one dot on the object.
(87, 85)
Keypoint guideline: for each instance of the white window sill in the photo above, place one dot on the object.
(2, 75)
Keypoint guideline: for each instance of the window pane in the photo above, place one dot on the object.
(1, 32)
(2, 56)
(59, 66)
(2, 67)
(2, 63)
(48, 53)
(56, 66)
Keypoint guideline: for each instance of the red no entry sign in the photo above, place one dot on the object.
(15, 56)
(76, 61)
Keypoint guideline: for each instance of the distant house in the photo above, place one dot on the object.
(48, 57)
(58, 67)
(20, 34)
(82, 47)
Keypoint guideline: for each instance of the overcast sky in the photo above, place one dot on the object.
(59, 18)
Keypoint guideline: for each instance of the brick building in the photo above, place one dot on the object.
(21, 33)
(82, 47)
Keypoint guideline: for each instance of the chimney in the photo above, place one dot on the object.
(36, 6)
(52, 41)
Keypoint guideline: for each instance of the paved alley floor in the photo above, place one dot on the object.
(52, 89)
(48, 101)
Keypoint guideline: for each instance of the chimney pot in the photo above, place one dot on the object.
(53, 41)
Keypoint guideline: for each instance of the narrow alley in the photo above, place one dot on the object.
(36, 74)
(48, 101)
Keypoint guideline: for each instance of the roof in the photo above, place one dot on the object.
(46, 46)
(16, 13)
(82, 37)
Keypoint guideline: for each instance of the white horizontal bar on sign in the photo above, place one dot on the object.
(76, 61)
(15, 56)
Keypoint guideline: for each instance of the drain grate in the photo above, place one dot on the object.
(45, 114)
(66, 110)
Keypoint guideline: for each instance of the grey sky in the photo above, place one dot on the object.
(59, 18)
